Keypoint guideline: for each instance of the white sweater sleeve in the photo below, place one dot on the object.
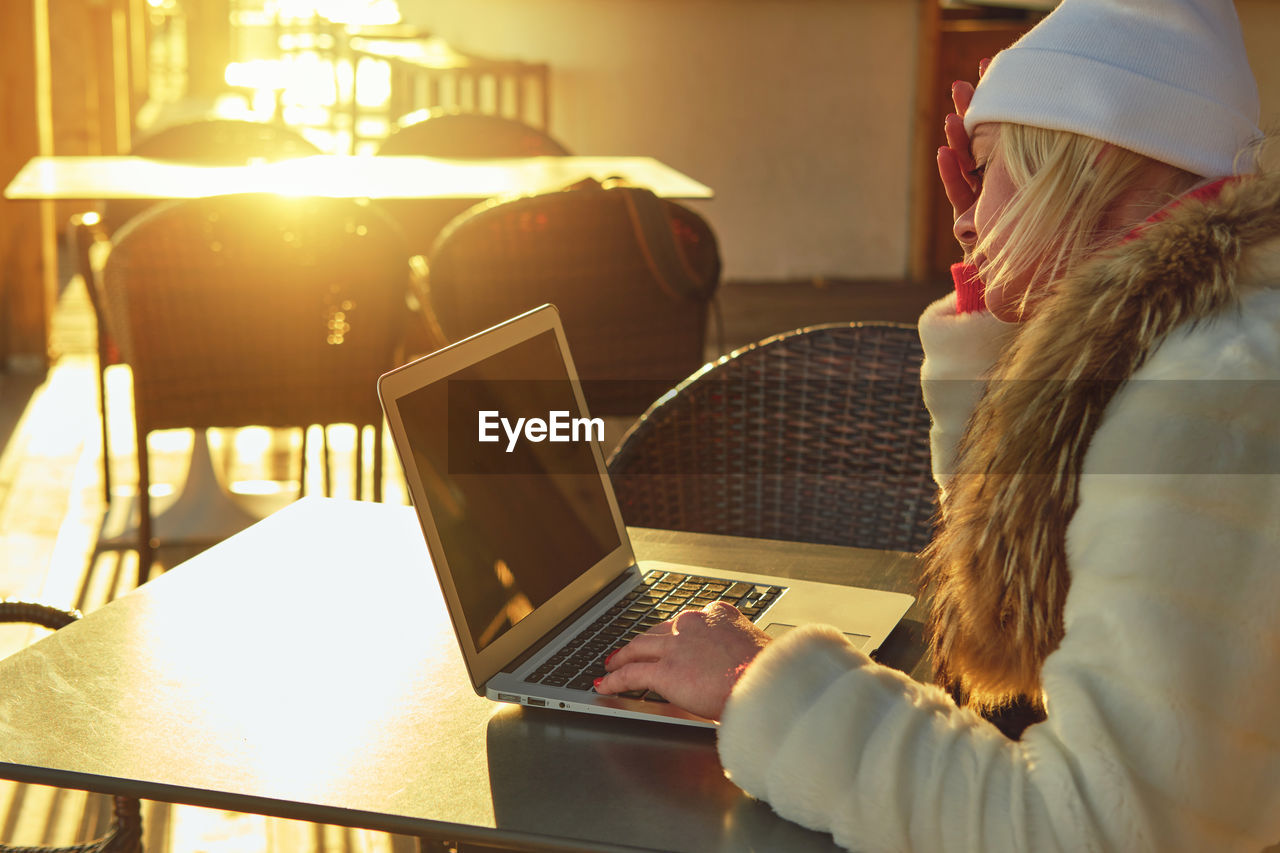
(1163, 732)
(959, 351)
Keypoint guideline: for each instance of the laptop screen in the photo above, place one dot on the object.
(520, 510)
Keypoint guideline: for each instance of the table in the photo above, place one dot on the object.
(337, 176)
(316, 677)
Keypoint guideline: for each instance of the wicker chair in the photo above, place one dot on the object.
(453, 133)
(460, 135)
(256, 310)
(209, 142)
(633, 302)
(125, 833)
(818, 435)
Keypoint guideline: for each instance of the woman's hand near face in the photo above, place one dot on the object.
(693, 660)
(955, 160)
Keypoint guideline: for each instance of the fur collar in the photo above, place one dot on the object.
(997, 570)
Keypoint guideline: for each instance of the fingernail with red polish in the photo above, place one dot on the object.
(609, 657)
(596, 684)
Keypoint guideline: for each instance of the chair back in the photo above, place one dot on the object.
(818, 435)
(209, 142)
(634, 309)
(450, 133)
(698, 245)
(257, 310)
(453, 133)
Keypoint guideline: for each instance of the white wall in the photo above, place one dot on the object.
(796, 112)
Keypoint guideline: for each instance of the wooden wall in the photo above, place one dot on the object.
(73, 77)
(28, 257)
(954, 42)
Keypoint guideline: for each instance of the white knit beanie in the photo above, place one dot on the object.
(1165, 78)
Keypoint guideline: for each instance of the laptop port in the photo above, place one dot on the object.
(508, 697)
(537, 703)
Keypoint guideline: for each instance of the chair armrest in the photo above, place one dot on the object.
(125, 833)
(88, 236)
(92, 244)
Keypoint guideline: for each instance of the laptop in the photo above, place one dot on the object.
(506, 471)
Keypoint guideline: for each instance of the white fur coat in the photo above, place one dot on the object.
(1163, 696)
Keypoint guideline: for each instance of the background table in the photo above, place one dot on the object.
(305, 668)
(336, 176)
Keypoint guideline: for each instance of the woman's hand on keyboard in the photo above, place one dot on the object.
(693, 660)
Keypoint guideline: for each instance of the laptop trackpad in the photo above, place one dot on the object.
(777, 629)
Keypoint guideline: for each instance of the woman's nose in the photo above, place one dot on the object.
(964, 229)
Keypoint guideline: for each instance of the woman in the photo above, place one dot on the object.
(1109, 543)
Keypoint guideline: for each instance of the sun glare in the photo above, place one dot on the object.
(301, 79)
(364, 12)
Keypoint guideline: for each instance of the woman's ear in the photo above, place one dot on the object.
(1157, 185)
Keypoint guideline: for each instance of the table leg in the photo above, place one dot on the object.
(203, 512)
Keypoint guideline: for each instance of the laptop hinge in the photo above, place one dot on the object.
(566, 622)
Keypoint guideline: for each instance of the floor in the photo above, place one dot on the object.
(53, 513)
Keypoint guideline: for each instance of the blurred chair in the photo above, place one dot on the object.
(208, 141)
(256, 310)
(458, 135)
(453, 133)
(125, 832)
(818, 435)
(634, 304)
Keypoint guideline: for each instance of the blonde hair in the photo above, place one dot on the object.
(1065, 185)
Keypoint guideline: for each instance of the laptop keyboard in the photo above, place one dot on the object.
(659, 597)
